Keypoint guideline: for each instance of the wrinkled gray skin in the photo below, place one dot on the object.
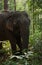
(14, 26)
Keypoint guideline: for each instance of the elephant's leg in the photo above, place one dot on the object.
(25, 40)
(24, 36)
(18, 41)
(13, 45)
(12, 41)
(0, 45)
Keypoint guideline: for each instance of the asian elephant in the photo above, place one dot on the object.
(14, 26)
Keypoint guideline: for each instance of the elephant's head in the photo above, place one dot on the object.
(11, 21)
(14, 19)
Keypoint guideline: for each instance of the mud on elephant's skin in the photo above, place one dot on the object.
(14, 26)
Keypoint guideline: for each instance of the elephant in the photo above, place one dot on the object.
(14, 26)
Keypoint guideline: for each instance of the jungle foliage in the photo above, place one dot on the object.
(34, 10)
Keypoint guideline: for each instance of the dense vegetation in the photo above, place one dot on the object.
(34, 10)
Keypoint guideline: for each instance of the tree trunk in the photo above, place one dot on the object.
(14, 5)
(5, 5)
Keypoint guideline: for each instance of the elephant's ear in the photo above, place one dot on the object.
(9, 26)
(11, 21)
